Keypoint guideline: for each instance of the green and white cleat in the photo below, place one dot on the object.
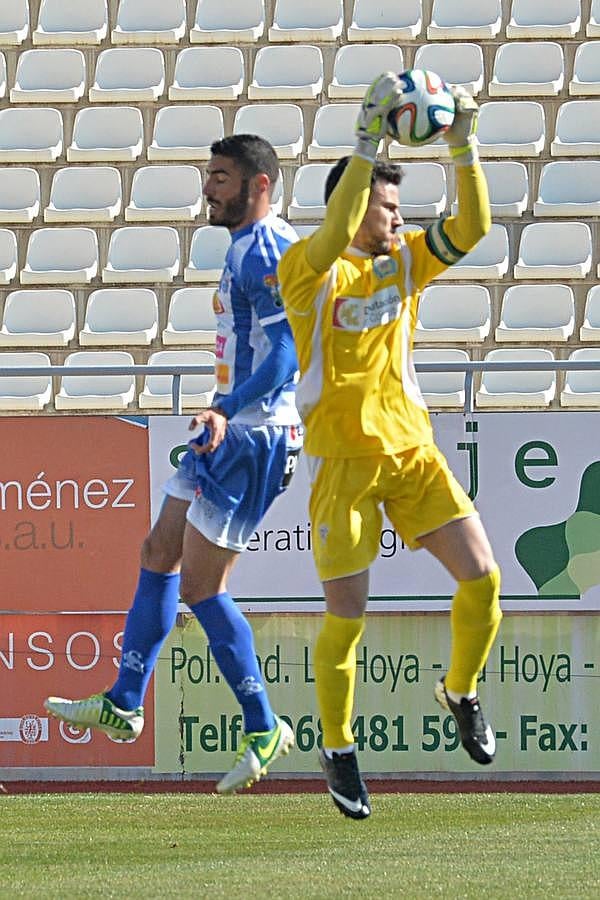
(98, 712)
(257, 751)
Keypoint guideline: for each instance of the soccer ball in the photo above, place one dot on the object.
(426, 109)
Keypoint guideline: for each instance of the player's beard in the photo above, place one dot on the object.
(234, 211)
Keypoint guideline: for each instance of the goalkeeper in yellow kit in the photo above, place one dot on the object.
(351, 292)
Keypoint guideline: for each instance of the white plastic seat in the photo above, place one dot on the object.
(61, 255)
(191, 317)
(489, 259)
(586, 69)
(280, 123)
(508, 188)
(185, 132)
(385, 20)
(27, 392)
(19, 195)
(209, 245)
(308, 198)
(3, 81)
(569, 188)
(460, 64)
(590, 329)
(149, 22)
(517, 389)
(554, 250)
(276, 203)
(536, 312)
(165, 194)
(281, 73)
(71, 22)
(208, 73)
(38, 319)
(107, 135)
(592, 29)
(582, 388)
(511, 128)
(356, 65)
(8, 256)
(120, 316)
(14, 21)
(577, 129)
(197, 391)
(438, 149)
(96, 391)
(128, 74)
(334, 131)
(229, 23)
(84, 194)
(526, 68)
(446, 389)
(423, 190)
(453, 313)
(49, 76)
(30, 135)
(311, 20)
(138, 254)
(544, 19)
(456, 20)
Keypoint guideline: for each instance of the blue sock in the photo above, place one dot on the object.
(148, 623)
(232, 644)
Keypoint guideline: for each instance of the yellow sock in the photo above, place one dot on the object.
(474, 621)
(335, 674)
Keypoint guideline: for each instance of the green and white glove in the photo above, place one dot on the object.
(461, 136)
(382, 96)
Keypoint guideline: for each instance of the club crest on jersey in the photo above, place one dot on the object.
(358, 314)
(384, 266)
(217, 304)
(272, 285)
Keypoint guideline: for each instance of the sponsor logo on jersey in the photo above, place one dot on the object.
(220, 346)
(384, 266)
(358, 314)
(222, 374)
(272, 285)
(218, 307)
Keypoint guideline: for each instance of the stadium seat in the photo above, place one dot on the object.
(489, 259)
(71, 22)
(517, 388)
(30, 135)
(185, 132)
(438, 149)
(445, 389)
(197, 391)
(228, 23)
(304, 230)
(280, 123)
(277, 196)
(3, 81)
(582, 388)
(456, 20)
(508, 188)
(49, 76)
(526, 68)
(27, 392)
(8, 256)
(308, 200)
(150, 22)
(208, 73)
(586, 69)
(96, 391)
(569, 188)
(209, 245)
(165, 194)
(554, 250)
(19, 195)
(191, 317)
(107, 135)
(592, 29)
(557, 19)
(511, 128)
(385, 20)
(128, 74)
(311, 20)
(536, 312)
(334, 131)
(423, 190)
(14, 22)
(120, 316)
(282, 73)
(84, 194)
(141, 255)
(356, 65)
(577, 129)
(453, 313)
(61, 255)
(456, 63)
(590, 329)
(38, 319)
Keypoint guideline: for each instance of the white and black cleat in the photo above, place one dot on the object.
(348, 790)
(476, 735)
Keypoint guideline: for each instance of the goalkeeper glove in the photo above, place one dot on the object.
(461, 135)
(382, 96)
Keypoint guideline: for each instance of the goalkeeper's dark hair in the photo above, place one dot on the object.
(253, 154)
(381, 172)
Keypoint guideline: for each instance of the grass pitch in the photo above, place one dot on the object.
(288, 846)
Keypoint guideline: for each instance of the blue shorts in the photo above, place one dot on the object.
(231, 488)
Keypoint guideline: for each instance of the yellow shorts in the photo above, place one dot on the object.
(416, 488)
